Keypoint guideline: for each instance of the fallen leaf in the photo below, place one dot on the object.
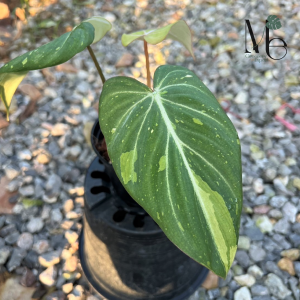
(125, 61)
(49, 76)
(66, 68)
(31, 91)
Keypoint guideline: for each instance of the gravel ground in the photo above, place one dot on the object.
(43, 160)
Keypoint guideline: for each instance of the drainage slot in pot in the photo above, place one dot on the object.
(138, 221)
(98, 174)
(119, 216)
(100, 189)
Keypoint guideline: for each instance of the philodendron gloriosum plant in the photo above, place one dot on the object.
(172, 146)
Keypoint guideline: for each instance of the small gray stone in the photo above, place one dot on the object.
(244, 243)
(295, 239)
(27, 191)
(297, 268)
(7, 149)
(25, 241)
(24, 154)
(264, 224)
(56, 215)
(8, 229)
(83, 87)
(16, 259)
(242, 294)
(41, 246)
(214, 293)
(4, 254)
(254, 233)
(2, 221)
(256, 272)
(281, 188)
(53, 185)
(259, 290)
(258, 185)
(284, 170)
(31, 260)
(282, 226)
(35, 225)
(270, 174)
(278, 201)
(293, 282)
(261, 199)
(242, 258)
(12, 238)
(290, 211)
(74, 151)
(257, 253)
(241, 97)
(275, 214)
(14, 185)
(276, 286)
(296, 228)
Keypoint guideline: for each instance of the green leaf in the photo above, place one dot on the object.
(31, 202)
(54, 53)
(178, 31)
(101, 25)
(178, 155)
(273, 22)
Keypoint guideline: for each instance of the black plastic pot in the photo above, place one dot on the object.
(123, 252)
(96, 137)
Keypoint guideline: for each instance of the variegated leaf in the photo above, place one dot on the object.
(178, 155)
(178, 31)
(54, 53)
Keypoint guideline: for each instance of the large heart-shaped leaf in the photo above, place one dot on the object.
(273, 22)
(178, 31)
(178, 155)
(54, 53)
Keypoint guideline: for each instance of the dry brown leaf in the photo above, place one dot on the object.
(66, 68)
(125, 61)
(31, 91)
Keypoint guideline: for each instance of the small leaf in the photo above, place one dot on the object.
(178, 31)
(54, 53)
(273, 22)
(31, 202)
(101, 25)
(178, 155)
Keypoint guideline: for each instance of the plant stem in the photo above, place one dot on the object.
(147, 64)
(96, 63)
(261, 38)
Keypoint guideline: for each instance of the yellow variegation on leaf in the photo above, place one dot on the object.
(178, 31)
(178, 155)
(54, 53)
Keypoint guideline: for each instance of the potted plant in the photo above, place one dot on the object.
(177, 156)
